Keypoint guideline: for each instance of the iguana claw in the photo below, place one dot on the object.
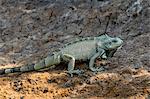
(79, 72)
(98, 69)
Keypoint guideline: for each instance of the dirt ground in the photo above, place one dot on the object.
(32, 29)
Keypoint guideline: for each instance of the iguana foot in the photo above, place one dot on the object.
(79, 72)
(98, 69)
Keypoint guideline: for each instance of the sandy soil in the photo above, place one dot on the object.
(114, 83)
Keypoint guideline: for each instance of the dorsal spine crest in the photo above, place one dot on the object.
(79, 40)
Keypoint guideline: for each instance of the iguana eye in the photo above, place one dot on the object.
(114, 41)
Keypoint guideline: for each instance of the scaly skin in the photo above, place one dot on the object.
(83, 49)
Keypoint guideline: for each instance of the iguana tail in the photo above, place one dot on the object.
(45, 63)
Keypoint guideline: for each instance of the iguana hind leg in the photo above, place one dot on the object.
(71, 64)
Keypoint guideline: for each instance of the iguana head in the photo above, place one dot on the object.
(109, 43)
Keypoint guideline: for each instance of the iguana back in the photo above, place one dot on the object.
(82, 49)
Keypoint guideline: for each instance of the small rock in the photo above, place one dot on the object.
(67, 84)
(22, 97)
(51, 81)
(45, 90)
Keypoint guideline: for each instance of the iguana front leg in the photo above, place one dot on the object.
(71, 64)
(100, 53)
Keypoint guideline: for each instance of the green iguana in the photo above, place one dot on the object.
(85, 49)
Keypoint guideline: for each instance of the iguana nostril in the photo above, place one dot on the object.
(115, 41)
